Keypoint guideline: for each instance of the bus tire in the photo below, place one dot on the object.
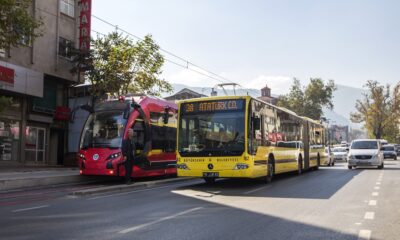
(300, 165)
(318, 162)
(209, 180)
(271, 170)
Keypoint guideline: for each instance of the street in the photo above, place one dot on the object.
(331, 203)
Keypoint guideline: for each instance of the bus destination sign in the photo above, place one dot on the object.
(213, 106)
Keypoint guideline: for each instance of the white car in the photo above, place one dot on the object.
(365, 152)
(340, 154)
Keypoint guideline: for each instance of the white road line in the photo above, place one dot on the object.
(378, 183)
(27, 209)
(377, 188)
(158, 221)
(369, 215)
(372, 202)
(375, 194)
(257, 189)
(364, 234)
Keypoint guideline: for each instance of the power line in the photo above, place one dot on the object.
(168, 52)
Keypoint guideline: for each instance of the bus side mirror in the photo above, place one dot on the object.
(256, 123)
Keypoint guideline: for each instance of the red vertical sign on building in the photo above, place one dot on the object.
(84, 24)
(6, 76)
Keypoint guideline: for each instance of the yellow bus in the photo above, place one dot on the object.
(243, 137)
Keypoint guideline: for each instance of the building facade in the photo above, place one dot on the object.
(266, 95)
(33, 130)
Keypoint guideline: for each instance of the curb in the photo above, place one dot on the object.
(21, 183)
(134, 186)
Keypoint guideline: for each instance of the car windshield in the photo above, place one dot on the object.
(388, 148)
(212, 134)
(339, 150)
(103, 130)
(364, 145)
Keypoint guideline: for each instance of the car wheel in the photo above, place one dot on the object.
(350, 167)
(381, 166)
(333, 163)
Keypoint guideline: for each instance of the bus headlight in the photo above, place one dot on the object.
(114, 155)
(182, 166)
(241, 166)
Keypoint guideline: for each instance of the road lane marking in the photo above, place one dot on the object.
(159, 220)
(359, 224)
(28, 209)
(372, 202)
(375, 194)
(378, 183)
(377, 188)
(369, 215)
(257, 189)
(364, 234)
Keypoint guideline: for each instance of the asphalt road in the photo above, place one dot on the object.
(331, 203)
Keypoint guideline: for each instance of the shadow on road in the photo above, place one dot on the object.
(321, 184)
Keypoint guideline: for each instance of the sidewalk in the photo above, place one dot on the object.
(34, 177)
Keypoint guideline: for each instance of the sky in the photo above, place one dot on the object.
(254, 42)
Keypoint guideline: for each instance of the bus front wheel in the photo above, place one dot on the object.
(271, 172)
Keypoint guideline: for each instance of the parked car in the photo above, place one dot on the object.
(340, 153)
(365, 152)
(389, 151)
(397, 149)
(383, 141)
(329, 160)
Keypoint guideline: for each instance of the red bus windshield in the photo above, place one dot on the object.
(103, 130)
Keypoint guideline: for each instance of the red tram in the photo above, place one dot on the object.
(153, 119)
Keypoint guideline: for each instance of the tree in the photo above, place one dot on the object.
(16, 24)
(116, 65)
(379, 110)
(309, 100)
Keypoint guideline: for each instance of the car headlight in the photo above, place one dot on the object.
(350, 157)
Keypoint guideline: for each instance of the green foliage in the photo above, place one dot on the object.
(308, 101)
(16, 23)
(116, 65)
(379, 110)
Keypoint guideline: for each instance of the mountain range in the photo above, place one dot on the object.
(344, 100)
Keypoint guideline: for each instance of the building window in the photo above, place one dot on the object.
(67, 7)
(65, 47)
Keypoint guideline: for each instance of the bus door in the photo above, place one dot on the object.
(306, 141)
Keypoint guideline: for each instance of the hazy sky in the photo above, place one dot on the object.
(255, 43)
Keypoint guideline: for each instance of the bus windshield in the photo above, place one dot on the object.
(212, 134)
(103, 130)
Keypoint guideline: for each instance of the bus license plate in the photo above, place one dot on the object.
(210, 174)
